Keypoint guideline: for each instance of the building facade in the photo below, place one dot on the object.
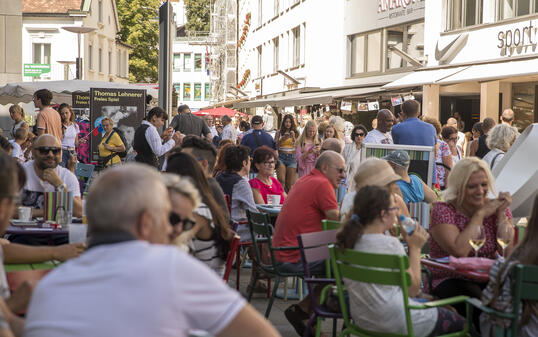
(46, 45)
(190, 64)
(481, 59)
(10, 51)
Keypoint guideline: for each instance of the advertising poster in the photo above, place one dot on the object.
(81, 104)
(373, 106)
(126, 108)
(362, 107)
(345, 106)
(396, 100)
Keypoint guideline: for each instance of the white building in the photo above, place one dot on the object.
(482, 59)
(324, 52)
(45, 42)
(190, 63)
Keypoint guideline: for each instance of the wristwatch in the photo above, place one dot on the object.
(61, 188)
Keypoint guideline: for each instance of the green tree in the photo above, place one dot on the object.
(139, 21)
(197, 15)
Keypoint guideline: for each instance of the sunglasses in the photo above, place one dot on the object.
(175, 219)
(359, 134)
(44, 150)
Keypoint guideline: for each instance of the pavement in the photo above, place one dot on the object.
(277, 318)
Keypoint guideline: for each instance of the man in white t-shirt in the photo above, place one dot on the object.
(381, 135)
(130, 282)
(44, 174)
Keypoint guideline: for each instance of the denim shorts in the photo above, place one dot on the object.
(287, 159)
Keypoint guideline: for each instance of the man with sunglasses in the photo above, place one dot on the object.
(133, 277)
(44, 174)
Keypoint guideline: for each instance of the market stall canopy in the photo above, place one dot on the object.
(517, 172)
(218, 112)
(62, 90)
(326, 96)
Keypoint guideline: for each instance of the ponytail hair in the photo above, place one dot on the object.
(367, 206)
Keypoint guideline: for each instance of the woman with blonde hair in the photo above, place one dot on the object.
(16, 112)
(499, 140)
(110, 145)
(307, 148)
(466, 214)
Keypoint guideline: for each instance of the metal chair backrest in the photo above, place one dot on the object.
(315, 247)
(524, 287)
(261, 231)
(330, 224)
(370, 268)
(234, 245)
(84, 171)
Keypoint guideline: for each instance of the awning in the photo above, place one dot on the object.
(308, 98)
(493, 71)
(423, 77)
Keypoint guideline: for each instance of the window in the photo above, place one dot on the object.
(100, 10)
(90, 56)
(366, 52)
(109, 63)
(408, 39)
(197, 91)
(177, 88)
(118, 63)
(187, 62)
(296, 46)
(41, 53)
(512, 8)
(259, 49)
(207, 94)
(197, 62)
(186, 91)
(100, 60)
(177, 62)
(260, 12)
(275, 54)
(464, 13)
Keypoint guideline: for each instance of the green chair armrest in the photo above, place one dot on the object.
(440, 303)
(477, 303)
(44, 265)
(17, 267)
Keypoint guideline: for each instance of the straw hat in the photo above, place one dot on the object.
(374, 171)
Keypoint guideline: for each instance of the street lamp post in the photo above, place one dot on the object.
(79, 30)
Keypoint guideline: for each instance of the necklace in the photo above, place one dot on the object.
(266, 180)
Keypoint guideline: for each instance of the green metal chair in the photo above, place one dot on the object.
(261, 231)
(524, 288)
(366, 267)
(328, 225)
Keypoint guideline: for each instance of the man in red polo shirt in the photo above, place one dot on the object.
(310, 200)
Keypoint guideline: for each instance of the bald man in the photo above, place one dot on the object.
(333, 144)
(507, 117)
(382, 134)
(314, 195)
(44, 174)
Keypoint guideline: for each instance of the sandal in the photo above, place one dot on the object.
(296, 316)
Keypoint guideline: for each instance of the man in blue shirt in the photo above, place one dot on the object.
(413, 131)
(258, 137)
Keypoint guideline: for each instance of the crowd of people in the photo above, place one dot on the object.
(161, 239)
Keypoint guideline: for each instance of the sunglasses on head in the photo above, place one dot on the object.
(175, 219)
(44, 150)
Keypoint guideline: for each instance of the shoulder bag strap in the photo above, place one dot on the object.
(493, 161)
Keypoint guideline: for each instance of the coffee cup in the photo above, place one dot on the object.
(273, 199)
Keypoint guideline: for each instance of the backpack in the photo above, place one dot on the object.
(122, 154)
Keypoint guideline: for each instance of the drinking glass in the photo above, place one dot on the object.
(504, 235)
(478, 238)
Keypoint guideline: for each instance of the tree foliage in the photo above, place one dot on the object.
(139, 21)
(198, 12)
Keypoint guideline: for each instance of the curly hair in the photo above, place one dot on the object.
(501, 137)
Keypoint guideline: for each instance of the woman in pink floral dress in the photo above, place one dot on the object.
(307, 148)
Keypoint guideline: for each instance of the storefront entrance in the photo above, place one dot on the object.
(467, 106)
(524, 103)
